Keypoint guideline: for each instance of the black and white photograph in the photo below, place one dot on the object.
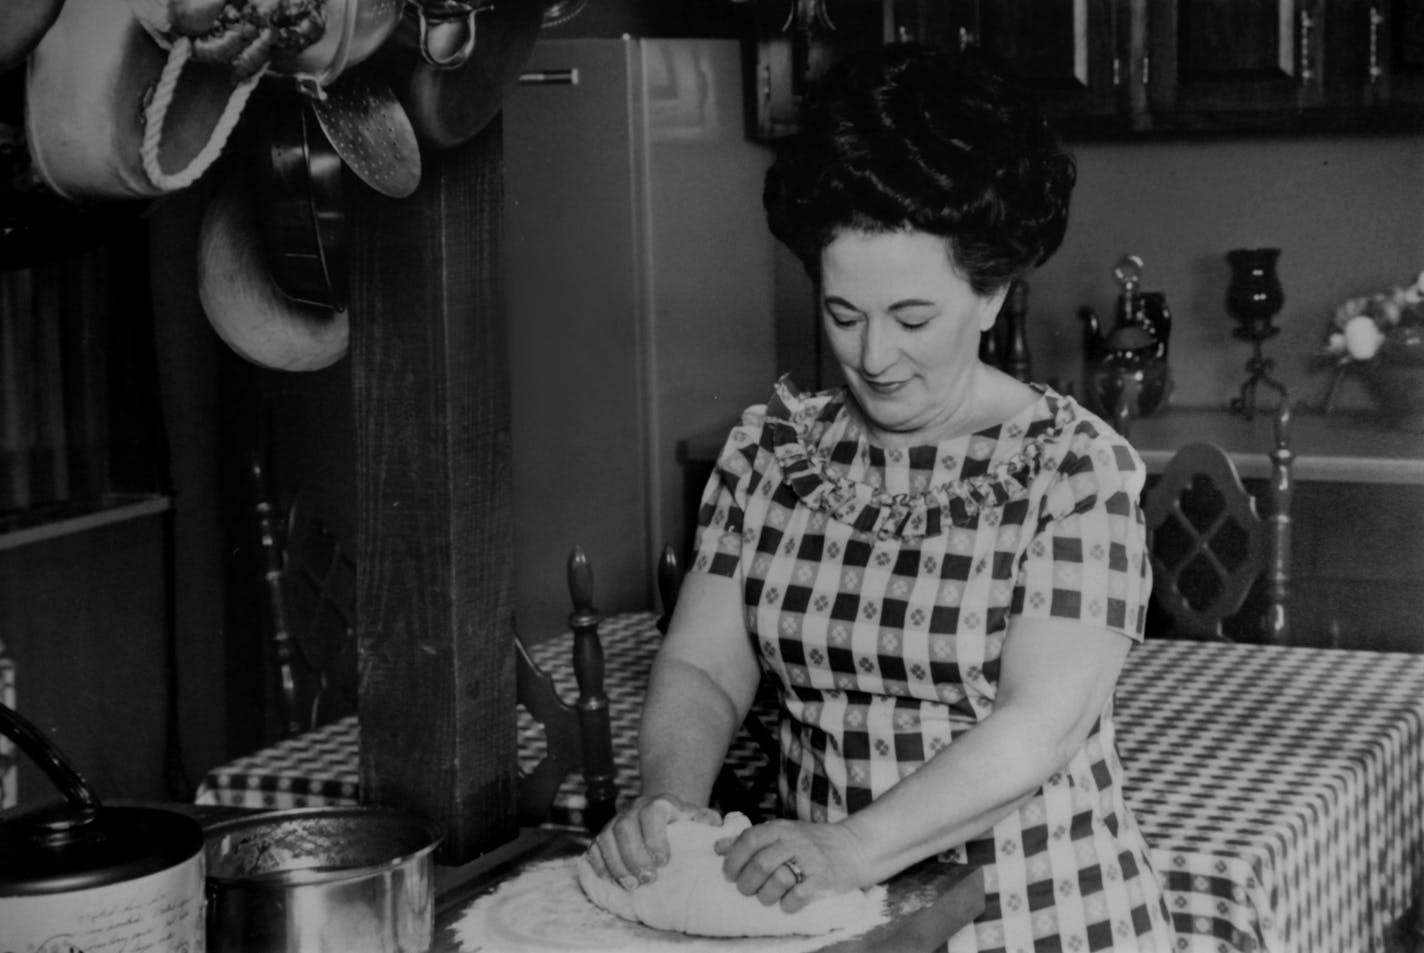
(712, 476)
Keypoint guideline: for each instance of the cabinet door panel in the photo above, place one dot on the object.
(1230, 56)
(1401, 67)
(1065, 49)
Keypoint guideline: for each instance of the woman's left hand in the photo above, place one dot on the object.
(793, 862)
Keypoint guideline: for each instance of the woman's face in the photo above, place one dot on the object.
(905, 326)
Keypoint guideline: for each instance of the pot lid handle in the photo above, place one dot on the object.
(50, 759)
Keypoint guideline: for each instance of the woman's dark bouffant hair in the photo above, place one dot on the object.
(908, 137)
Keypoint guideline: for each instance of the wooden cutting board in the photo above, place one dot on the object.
(517, 901)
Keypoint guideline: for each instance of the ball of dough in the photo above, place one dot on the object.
(691, 895)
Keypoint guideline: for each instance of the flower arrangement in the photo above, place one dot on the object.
(1386, 325)
(1381, 335)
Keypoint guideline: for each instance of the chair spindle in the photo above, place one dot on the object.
(669, 581)
(1276, 625)
(282, 645)
(594, 725)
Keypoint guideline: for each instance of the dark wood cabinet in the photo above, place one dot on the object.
(1394, 41)
(1135, 67)
(1068, 50)
(1205, 61)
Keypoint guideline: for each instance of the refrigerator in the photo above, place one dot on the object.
(640, 302)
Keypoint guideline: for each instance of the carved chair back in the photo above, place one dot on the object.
(1211, 545)
(310, 579)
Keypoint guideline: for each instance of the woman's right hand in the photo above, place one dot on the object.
(634, 844)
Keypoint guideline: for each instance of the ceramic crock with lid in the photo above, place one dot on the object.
(80, 875)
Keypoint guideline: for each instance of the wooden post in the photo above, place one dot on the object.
(434, 523)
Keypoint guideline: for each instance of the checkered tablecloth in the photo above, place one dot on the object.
(1279, 787)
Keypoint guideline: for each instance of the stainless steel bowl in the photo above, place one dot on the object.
(354, 879)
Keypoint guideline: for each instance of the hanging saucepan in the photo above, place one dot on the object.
(79, 875)
(309, 41)
(243, 304)
(301, 210)
(449, 104)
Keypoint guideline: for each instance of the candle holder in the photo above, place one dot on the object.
(1253, 298)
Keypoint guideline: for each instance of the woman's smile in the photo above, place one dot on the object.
(904, 325)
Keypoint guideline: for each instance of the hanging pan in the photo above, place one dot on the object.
(453, 71)
(242, 302)
(301, 210)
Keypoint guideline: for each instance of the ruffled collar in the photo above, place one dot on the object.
(804, 433)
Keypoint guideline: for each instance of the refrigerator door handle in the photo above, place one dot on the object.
(549, 77)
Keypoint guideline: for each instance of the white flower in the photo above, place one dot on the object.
(1362, 337)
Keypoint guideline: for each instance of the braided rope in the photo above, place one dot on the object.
(156, 113)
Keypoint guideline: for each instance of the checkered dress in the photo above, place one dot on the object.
(878, 587)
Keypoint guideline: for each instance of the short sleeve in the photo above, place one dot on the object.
(722, 514)
(1087, 561)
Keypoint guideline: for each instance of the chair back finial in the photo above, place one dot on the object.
(595, 728)
(1211, 543)
(580, 585)
(669, 581)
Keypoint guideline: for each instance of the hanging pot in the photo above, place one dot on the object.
(309, 41)
(301, 209)
(354, 30)
(449, 92)
(83, 876)
(242, 302)
(110, 114)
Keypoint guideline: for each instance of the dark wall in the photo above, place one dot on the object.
(83, 617)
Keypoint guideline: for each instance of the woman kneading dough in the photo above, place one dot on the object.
(941, 567)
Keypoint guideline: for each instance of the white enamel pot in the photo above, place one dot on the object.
(79, 875)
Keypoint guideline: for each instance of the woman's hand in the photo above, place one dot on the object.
(793, 862)
(634, 844)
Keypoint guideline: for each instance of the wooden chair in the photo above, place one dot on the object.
(1210, 545)
(310, 579)
(579, 736)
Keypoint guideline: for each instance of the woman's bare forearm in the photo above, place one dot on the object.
(1057, 678)
(701, 687)
(958, 795)
(688, 724)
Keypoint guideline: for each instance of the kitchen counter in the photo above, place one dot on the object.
(1332, 448)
